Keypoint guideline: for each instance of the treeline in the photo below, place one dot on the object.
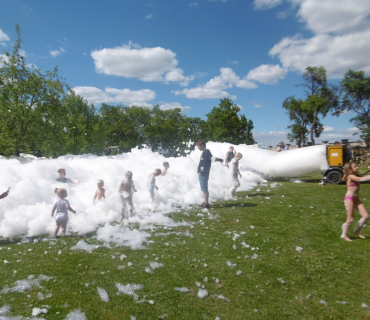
(42, 116)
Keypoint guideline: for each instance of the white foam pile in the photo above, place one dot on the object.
(27, 209)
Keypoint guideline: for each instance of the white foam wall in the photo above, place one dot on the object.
(27, 209)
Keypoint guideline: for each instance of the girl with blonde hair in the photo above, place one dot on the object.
(62, 207)
(352, 201)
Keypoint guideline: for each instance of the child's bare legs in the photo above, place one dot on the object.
(350, 210)
(151, 196)
(130, 206)
(64, 228)
(236, 185)
(56, 230)
(365, 216)
(123, 201)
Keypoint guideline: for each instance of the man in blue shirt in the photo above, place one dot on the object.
(204, 168)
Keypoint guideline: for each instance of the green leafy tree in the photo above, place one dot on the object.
(226, 124)
(31, 112)
(320, 98)
(305, 114)
(164, 133)
(355, 88)
(297, 115)
(81, 129)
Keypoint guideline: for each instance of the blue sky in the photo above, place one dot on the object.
(191, 54)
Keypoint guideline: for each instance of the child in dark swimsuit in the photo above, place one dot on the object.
(62, 177)
(352, 201)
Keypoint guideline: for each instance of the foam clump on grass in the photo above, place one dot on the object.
(182, 289)
(129, 289)
(202, 293)
(122, 236)
(75, 315)
(37, 311)
(103, 294)
(82, 245)
(26, 284)
(4, 310)
(26, 211)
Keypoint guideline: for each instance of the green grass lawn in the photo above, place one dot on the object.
(243, 253)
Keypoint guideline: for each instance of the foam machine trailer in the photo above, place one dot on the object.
(337, 156)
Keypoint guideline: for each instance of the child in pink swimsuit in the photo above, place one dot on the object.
(352, 201)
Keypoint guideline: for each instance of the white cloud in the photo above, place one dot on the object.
(3, 36)
(131, 61)
(328, 129)
(55, 53)
(204, 93)
(177, 75)
(112, 95)
(341, 38)
(266, 4)
(339, 16)
(193, 4)
(149, 16)
(215, 88)
(174, 105)
(267, 74)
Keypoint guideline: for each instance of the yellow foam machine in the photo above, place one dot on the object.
(337, 156)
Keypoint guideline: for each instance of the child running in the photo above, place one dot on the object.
(151, 183)
(352, 201)
(125, 189)
(235, 172)
(61, 206)
(100, 192)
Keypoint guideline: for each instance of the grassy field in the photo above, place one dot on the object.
(273, 253)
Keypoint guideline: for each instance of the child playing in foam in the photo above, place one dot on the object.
(61, 206)
(235, 172)
(125, 189)
(151, 183)
(100, 192)
(352, 201)
(166, 166)
(62, 177)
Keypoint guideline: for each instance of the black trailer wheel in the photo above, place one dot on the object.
(334, 177)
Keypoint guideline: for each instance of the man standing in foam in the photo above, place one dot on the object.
(151, 183)
(235, 172)
(204, 168)
(125, 189)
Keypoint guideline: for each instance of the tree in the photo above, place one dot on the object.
(299, 116)
(31, 112)
(320, 98)
(355, 88)
(81, 129)
(225, 124)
